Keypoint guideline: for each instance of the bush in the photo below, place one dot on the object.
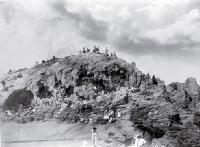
(147, 93)
(69, 114)
(18, 97)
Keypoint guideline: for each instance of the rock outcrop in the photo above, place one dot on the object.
(192, 92)
(95, 87)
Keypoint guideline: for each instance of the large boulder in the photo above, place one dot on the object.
(151, 119)
(191, 86)
(177, 94)
(192, 92)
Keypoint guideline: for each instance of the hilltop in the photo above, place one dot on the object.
(85, 87)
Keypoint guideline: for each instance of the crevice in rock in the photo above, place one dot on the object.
(20, 97)
(69, 90)
(43, 91)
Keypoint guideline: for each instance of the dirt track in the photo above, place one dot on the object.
(52, 134)
(48, 143)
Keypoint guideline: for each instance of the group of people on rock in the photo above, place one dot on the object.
(97, 51)
(139, 139)
(87, 50)
(111, 115)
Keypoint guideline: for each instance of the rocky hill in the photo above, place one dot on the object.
(85, 87)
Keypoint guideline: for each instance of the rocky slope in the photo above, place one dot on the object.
(86, 86)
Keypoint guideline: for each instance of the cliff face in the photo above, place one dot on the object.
(84, 86)
(173, 116)
(87, 72)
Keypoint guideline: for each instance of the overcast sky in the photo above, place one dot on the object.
(161, 36)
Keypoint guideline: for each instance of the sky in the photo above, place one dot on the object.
(161, 37)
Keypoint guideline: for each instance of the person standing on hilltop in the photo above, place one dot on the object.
(139, 141)
(114, 55)
(84, 50)
(106, 51)
(94, 137)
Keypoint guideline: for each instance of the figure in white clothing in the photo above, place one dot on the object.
(8, 113)
(139, 141)
(94, 137)
(118, 114)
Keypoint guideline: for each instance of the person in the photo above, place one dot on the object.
(96, 50)
(84, 50)
(133, 89)
(126, 98)
(106, 117)
(139, 141)
(82, 120)
(106, 51)
(114, 110)
(118, 114)
(110, 120)
(94, 137)
(95, 88)
(8, 113)
(88, 50)
(90, 120)
(33, 110)
(114, 55)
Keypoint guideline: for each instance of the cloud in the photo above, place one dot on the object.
(91, 28)
(7, 11)
(163, 29)
(185, 49)
(146, 30)
(185, 26)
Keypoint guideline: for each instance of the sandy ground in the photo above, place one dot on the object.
(71, 143)
(56, 134)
